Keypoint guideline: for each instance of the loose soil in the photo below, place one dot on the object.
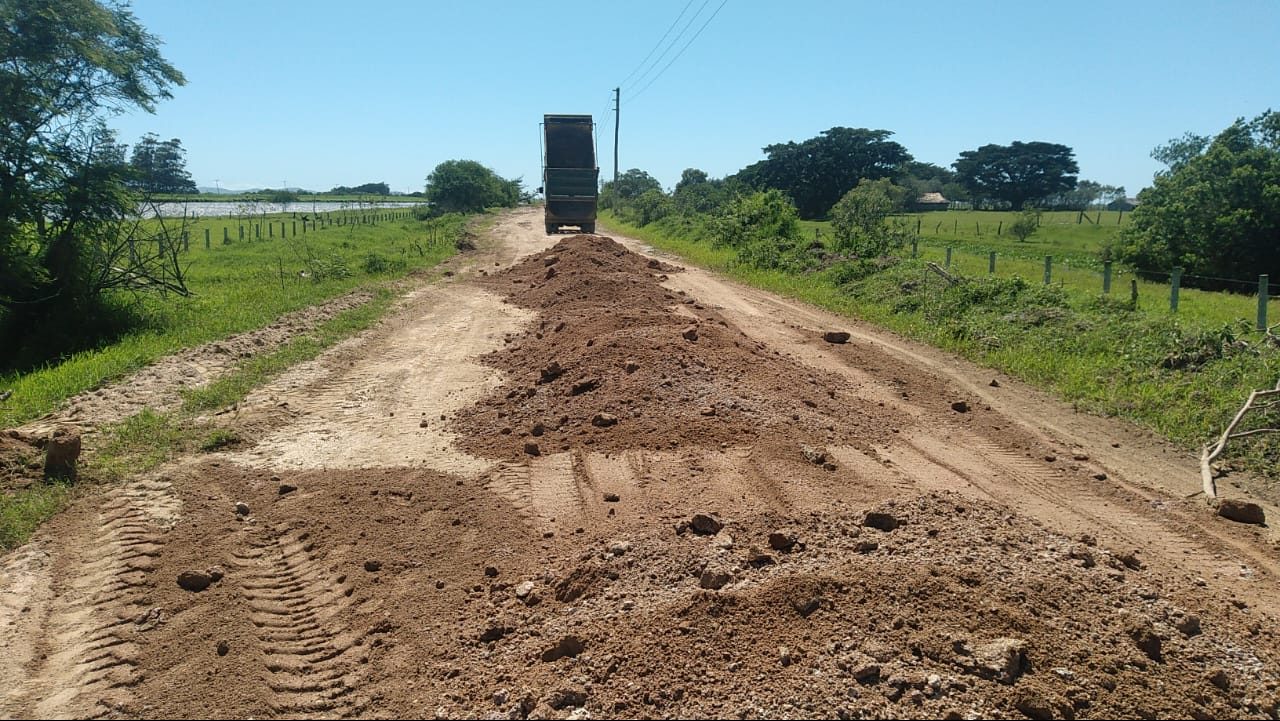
(627, 489)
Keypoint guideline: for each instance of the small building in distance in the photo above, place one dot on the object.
(1123, 204)
(932, 201)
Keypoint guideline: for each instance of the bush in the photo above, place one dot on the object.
(375, 263)
(1026, 225)
(858, 220)
(765, 230)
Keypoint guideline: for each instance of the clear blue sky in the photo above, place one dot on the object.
(321, 93)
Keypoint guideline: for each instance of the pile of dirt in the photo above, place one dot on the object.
(21, 462)
(961, 610)
(394, 588)
(616, 361)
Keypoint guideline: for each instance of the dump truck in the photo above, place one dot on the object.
(570, 177)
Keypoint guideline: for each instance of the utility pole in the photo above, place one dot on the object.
(617, 108)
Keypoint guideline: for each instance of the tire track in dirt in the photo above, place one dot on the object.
(310, 668)
(83, 627)
(1061, 497)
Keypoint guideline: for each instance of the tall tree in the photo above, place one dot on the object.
(1216, 210)
(161, 166)
(632, 184)
(815, 173)
(691, 176)
(1018, 172)
(64, 66)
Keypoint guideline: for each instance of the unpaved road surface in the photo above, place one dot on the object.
(583, 481)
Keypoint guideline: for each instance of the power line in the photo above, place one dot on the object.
(686, 47)
(672, 44)
(655, 47)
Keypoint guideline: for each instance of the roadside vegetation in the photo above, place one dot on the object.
(233, 288)
(1183, 374)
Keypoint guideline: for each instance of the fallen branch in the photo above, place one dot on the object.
(1211, 451)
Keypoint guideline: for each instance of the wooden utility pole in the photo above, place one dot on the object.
(617, 111)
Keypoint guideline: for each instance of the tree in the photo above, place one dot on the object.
(690, 177)
(1017, 173)
(64, 66)
(160, 167)
(365, 189)
(1216, 210)
(815, 173)
(465, 186)
(632, 184)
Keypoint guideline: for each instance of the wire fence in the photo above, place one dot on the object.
(1152, 290)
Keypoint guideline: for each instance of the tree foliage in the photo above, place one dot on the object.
(631, 185)
(817, 172)
(365, 189)
(1018, 172)
(160, 166)
(1216, 210)
(466, 186)
(64, 66)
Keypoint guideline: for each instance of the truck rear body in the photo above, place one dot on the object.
(570, 178)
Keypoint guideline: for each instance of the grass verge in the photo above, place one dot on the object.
(1183, 377)
(148, 439)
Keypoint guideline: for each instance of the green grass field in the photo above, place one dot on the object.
(237, 287)
(1182, 375)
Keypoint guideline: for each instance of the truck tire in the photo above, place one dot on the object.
(552, 228)
(589, 228)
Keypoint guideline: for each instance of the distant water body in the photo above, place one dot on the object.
(245, 208)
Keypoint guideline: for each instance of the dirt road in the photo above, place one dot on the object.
(582, 481)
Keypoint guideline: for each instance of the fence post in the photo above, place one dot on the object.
(1175, 280)
(999, 228)
(1263, 289)
(206, 238)
(915, 248)
(1048, 269)
(295, 229)
(1106, 277)
(1133, 292)
(991, 263)
(977, 229)
(241, 232)
(186, 242)
(257, 230)
(948, 263)
(917, 226)
(271, 230)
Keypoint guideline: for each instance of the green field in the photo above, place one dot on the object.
(236, 287)
(1181, 374)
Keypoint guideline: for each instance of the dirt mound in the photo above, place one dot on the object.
(21, 462)
(616, 361)
(963, 609)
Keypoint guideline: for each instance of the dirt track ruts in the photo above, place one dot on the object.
(424, 559)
